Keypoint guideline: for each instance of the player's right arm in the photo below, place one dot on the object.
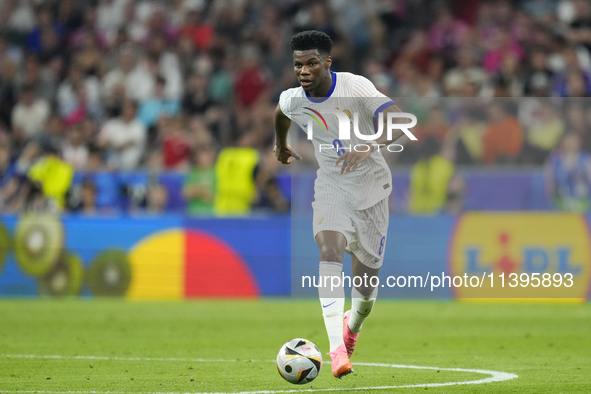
(283, 151)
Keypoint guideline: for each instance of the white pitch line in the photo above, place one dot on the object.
(495, 376)
(118, 358)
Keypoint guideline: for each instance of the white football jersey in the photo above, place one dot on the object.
(371, 182)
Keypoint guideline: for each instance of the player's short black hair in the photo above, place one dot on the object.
(311, 39)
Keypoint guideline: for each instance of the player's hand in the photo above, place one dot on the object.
(352, 159)
(285, 154)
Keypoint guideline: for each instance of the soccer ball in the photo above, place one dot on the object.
(299, 361)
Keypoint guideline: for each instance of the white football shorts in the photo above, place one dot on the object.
(366, 231)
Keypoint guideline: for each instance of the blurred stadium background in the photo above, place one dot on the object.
(136, 162)
(136, 140)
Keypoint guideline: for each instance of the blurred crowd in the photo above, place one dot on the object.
(94, 86)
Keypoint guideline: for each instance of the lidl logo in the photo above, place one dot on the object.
(509, 245)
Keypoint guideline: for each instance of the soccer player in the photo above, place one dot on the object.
(352, 186)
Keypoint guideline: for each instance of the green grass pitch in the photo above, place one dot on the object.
(229, 346)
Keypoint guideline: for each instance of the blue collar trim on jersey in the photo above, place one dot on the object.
(321, 99)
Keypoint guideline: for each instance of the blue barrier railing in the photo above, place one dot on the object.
(515, 190)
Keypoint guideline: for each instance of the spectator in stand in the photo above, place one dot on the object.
(88, 206)
(544, 135)
(134, 77)
(542, 10)
(110, 16)
(580, 28)
(68, 96)
(70, 16)
(201, 32)
(89, 129)
(578, 85)
(158, 25)
(573, 80)
(124, 139)
(7, 172)
(180, 8)
(8, 89)
(221, 86)
(45, 23)
(89, 28)
(406, 77)
(252, 80)
(29, 115)
(197, 100)
(167, 65)
(447, 33)
(376, 72)
(503, 137)
(271, 196)
(199, 133)
(157, 198)
(44, 78)
(467, 71)
(175, 144)
(426, 87)
(53, 133)
(186, 53)
(416, 50)
(51, 47)
(95, 162)
(568, 176)
(539, 76)
(134, 26)
(85, 198)
(19, 17)
(82, 107)
(435, 126)
(199, 183)
(503, 45)
(469, 131)
(114, 101)
(89, 56)
(159, 105)
(74, 150)
(576, 123)
(510, 76)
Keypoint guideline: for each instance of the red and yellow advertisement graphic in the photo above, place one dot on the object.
(176, 264)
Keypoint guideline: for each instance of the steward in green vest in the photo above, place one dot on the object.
(429, 180)
(235, 176)
(55, 177)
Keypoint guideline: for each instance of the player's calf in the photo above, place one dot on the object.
(361, 307)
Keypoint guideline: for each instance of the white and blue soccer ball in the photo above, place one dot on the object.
(299, 361)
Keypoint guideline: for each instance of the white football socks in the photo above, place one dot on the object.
(332, 301)
(361, 307)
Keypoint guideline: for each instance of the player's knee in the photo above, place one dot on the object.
(367, 293)
(331, 253)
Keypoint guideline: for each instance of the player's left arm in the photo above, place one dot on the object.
(350, 160)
